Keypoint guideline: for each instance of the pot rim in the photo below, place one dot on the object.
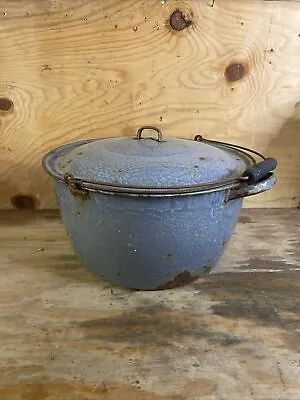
(49, 164)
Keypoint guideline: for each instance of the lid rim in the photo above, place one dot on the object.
(218, 185)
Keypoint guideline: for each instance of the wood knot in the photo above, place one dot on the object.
(179, 21)
(6, 105)
(234, 72)
(24, 202)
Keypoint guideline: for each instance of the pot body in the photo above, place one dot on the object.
(148, 243)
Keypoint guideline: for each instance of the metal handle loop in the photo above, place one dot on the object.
(200, 138)
(153, 128)
(258, 171)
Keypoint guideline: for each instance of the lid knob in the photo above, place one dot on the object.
(153, 128)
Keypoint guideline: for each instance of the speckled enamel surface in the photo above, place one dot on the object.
(146, 162)
(147, 243)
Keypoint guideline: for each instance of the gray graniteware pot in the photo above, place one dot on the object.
(148, 212)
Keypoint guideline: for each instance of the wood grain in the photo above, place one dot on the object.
(66, 335)
(80, 69)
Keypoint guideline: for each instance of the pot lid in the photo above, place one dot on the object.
(148, 162)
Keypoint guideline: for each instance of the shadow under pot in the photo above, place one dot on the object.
(151, 212)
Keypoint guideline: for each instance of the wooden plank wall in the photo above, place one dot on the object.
(79, 69)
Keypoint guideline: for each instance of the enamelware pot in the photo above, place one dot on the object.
(150, 212)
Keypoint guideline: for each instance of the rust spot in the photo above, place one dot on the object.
(234, 72)
(206, 270)
(179, 21)
(83, 194)
(24, 202)
(183, 278)
(6, 104)
(75, 187)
